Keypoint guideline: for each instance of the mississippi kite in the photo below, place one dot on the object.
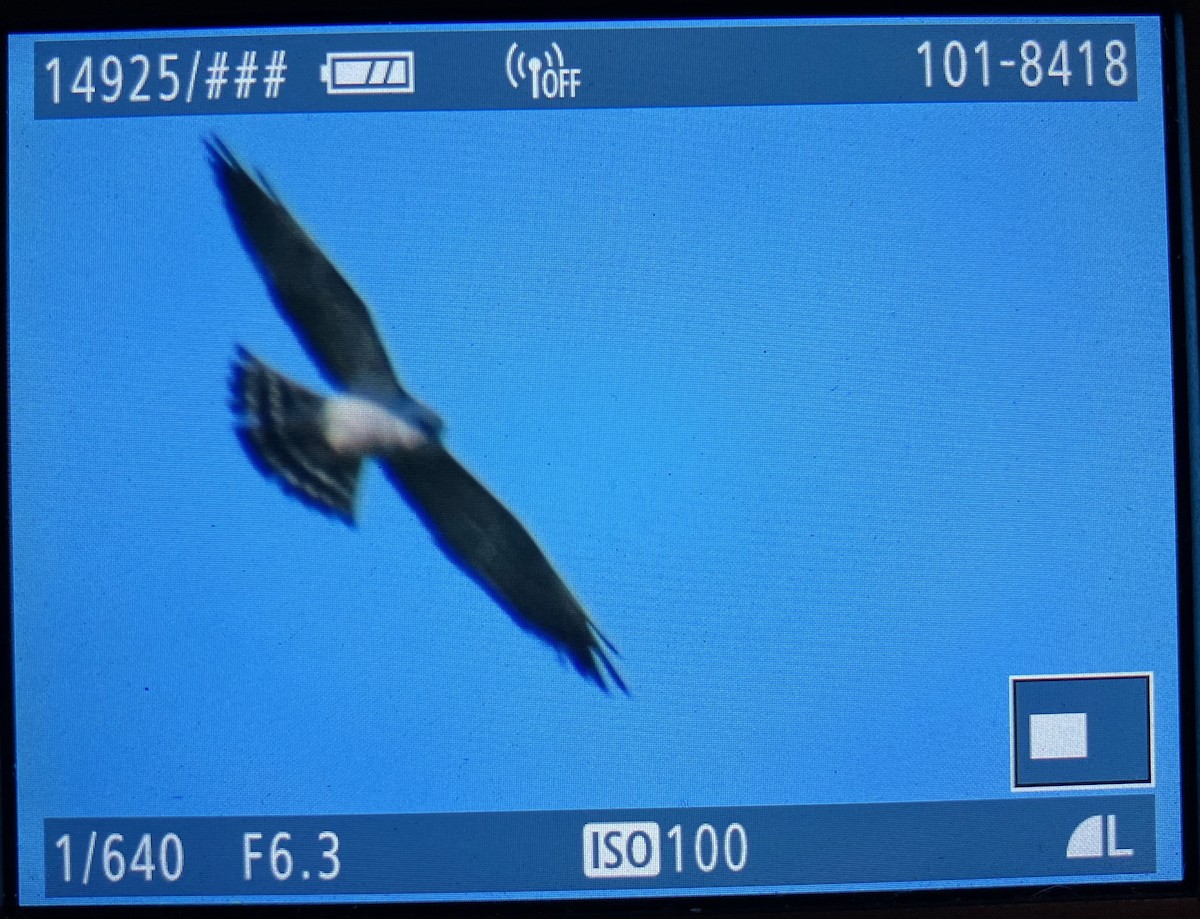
(314, 446)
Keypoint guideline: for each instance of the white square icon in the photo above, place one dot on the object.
(1058, 736)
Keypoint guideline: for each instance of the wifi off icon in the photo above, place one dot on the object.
(547, 74)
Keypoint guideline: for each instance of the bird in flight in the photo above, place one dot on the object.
(314, 446)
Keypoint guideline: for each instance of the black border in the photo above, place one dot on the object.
(1166, 899)
(65, 15)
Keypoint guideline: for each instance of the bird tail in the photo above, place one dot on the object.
(279, 425)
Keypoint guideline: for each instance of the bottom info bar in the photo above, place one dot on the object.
(475, 855)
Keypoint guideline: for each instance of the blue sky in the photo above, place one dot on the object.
(833, 417)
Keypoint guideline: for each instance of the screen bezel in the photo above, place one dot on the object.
(1180, 26)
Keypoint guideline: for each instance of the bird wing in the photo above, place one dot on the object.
(330, 319)
(485, 539)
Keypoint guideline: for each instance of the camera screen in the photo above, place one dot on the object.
(593, 460)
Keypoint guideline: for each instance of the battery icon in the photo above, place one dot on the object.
(367, 72)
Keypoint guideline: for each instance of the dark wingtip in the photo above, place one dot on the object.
(217, 147)
(604, 640)
(220, 157)
(601, 644)
(226, 170)
(614, 676)
(234, 178)
(266, 185)
(597, 658)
